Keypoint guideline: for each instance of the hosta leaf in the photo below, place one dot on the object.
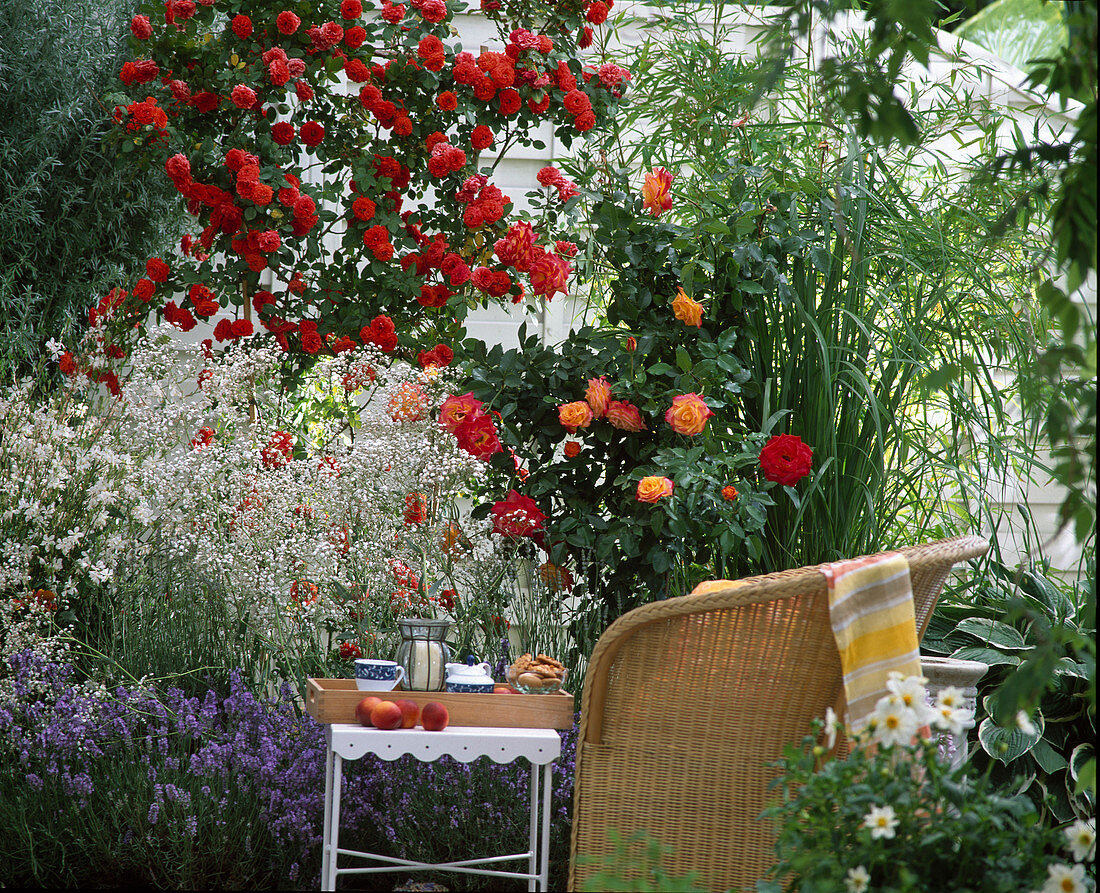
(1082, 753)
(1007, 745)
(993, 632)
(1048, 758)
(986, 655)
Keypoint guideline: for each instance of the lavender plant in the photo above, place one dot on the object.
(152, 787)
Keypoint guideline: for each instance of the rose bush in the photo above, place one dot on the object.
(333, 161)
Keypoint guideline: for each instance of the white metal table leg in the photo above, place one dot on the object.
(547, 790)
(533, 836)
(334, 820)
(326, 827)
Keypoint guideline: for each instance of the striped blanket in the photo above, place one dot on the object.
(871, 612)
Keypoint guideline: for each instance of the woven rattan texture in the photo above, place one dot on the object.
(686, 703)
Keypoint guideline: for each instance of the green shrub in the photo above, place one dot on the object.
(72, 223)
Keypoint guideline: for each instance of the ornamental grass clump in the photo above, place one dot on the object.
(893, 815)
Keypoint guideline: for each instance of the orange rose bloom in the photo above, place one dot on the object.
(687, 310)
(688, 414)
(556, 577)
(455, 409)
(656, 197)
(572, 449)
(729, 492)
(452, 541)
(598, 396)
(408, 403)
(625, 416)
(575, 415)
(652, 488)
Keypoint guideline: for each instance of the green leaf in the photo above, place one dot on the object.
(993, 632)
(1048, 758)
(987, 656)
(683, 359)
(1007, 745)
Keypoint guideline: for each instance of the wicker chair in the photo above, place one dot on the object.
(687, 701)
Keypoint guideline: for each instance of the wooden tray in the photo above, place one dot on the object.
(334, 700)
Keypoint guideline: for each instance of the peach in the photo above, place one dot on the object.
(410, 713)
(386, 715)
(434, 717)
(504, 690)
(364, 707)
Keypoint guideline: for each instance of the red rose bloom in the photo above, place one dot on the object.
(516, 516)
(243, 97)
(349, 650)
(351, 9)
(312, 133)
(447, 101)
(141, 27)
(283, 133)
(242, 26)
(355, 36)
(143, 290)
(785, 459)
(481, 138)
(597, 12)
(477, 435)
(156, 269)
(279, 450)
(287, 23)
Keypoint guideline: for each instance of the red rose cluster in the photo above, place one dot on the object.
(464, 416)
(235, 111)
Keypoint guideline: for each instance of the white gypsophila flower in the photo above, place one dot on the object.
(858, 880)
(893, 722)
(1081, 840)
(882, 821)
(1024, 723)
(1065, 879)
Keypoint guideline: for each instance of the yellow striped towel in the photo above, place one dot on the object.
(871, 612)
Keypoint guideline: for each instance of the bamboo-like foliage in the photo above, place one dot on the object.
(71, 222)
(886, 312)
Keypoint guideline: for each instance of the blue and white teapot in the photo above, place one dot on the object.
(469, 677)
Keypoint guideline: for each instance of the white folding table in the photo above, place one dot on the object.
(348, 741)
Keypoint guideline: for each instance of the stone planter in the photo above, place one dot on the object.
(946, 672)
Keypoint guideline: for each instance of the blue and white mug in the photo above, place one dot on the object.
(377, 675)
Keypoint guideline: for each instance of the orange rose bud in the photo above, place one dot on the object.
(631, 343)
(572, 449)
(652, 488)
(729, 493)
(625, 416)
(598, 396)
(687, 310)
(688, 414)
(656, 191)
(575, 415)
